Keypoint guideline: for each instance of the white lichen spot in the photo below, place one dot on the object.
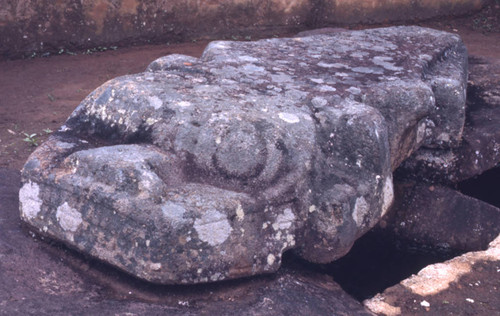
(155, 266)
(354, 90)
(30, 200)
(69, 218)
(335, 65)
(148, 242)
(270, 259)
(264, 225)
(248, 59)
(251, 68)
(317, 80)
(199, 271)
(155, 102)
(384, 62)
(360, 210)
(218, 140)
(216, 276)
(184, 104)
(359, 162)
(326, 88)
(150, 121)
(319, 102)
(444, 137)
(285, 220)
(388, 195)
(341, 74)
(174, 213)
(240, 214)
(368, 70)
(312, 208)
(213, 227)
(289, 117)
(425, 57)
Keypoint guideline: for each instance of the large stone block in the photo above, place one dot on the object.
(479, 150)
(200, 170)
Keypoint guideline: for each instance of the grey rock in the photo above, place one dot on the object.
(440, 217)
(207, 169)
(39, 278)
(480, 148)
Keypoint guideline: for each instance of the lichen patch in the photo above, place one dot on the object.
(69, 218)
(289, 117)
(240, 213)
(270, 259)
(213, 227)
(174, 213)
(29, 196)
(155, 102)
(285, 220)
(184, 104)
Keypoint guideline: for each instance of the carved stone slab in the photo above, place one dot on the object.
(200, 170)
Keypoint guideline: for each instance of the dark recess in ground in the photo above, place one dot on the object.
(485, 187)
(377, 261)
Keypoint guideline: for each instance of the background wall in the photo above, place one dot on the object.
(38, 26)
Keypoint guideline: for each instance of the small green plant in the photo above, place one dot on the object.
(31, 139)
(47, 131)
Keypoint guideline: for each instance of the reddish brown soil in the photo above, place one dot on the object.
(36, 97)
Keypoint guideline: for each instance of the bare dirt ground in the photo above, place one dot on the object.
(36, 97)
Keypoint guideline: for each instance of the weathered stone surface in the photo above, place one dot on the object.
(39, 278)
(468, 281)
(480, 148)
(441, 217)
(207, 169)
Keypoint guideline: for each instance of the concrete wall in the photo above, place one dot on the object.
(28, 26)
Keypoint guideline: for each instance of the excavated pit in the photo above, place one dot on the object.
(377, 261)
(380, 259)
(484, 187)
